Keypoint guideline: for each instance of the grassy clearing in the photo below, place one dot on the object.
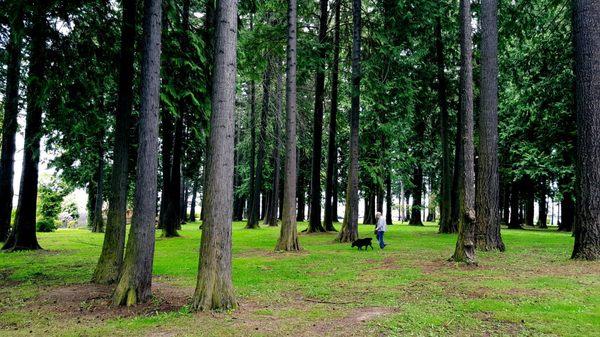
(329, 289)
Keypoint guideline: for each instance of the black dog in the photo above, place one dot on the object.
(365, 242)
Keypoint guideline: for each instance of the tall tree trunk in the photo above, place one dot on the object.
(529, 202)
(91, 201)
(458, 149)
(380, 194)
(167, 157)
(465, 245)
(135, 282)
(567, 211)
(505, 203)
(271, 219)
(193, 205)
(174, 194)
(417, 193)
(487, 227)
(288, 236)
(214, 288)
(254, 217)
(11, 112)
(238, 199)
(301, 212)
(349, 231)
(97, 220)
(586, 29)
(23, 237)
(110, 261)
(314, 224)
(543, 209)
(515, 219)
(253, 201)
(388, 198)
(334, 214)
(330, 206)
(167, 129)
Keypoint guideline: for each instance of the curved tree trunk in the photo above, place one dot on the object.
(586, 29)
(487, 201)
(10, 123)
(465, 245)
(136, 278)
(288, 236)
(110, 261)
(23, 237)
(349, 231)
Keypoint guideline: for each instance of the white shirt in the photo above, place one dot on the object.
(381, 225)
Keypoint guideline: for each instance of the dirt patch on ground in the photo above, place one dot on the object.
(353, 324)
(94, 302)
(492, 325)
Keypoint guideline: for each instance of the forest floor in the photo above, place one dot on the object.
(328, 289)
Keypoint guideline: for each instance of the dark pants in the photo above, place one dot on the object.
(380, 239)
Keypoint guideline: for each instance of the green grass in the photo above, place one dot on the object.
(328, 289)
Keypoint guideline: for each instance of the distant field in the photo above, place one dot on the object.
(328, 289)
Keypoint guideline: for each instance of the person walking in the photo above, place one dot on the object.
(380, 229)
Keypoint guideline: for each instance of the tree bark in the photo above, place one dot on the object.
(349, 231)
(586, 30)
(487, 201)
(271, 219)
(174, 194)
(417, 193)
(543, 210)
(135, 281)
(315, 225)
(23, 237)
(515, 219)
(97, 220)
(214, 288)
(193, 204)
(111, 259)
(465, 245)
(288, 236)
(330, 206)
(253, 219)
(10, 123)
(567, 211)
(253, 202)
(301, 208)
(388, 199)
